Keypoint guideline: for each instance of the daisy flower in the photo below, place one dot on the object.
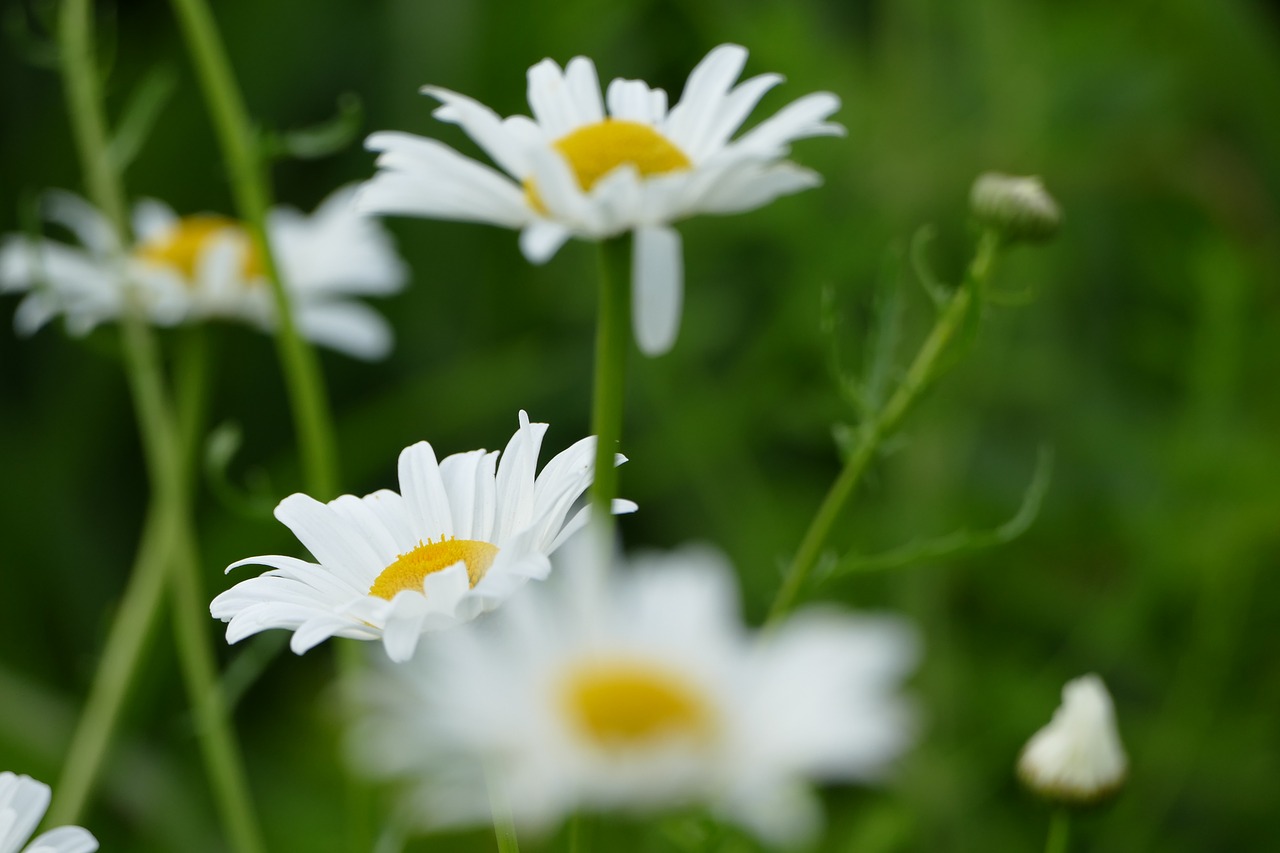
(638, 691)
(201, 267)
(23, 801)
(594, 167)
(1077, 757)
(461, 536)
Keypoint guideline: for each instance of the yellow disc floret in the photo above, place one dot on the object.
(627, 704)
(409, 570)
(182, 246)
(595, 150)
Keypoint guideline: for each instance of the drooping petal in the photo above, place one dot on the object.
(346, 326)
(657, 288)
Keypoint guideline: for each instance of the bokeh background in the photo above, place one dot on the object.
(1147, 360)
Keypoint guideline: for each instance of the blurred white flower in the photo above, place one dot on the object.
(462, 536)
(638, 690)
(1077, 757)
(195, 268)
(574, 170)
(23, 801)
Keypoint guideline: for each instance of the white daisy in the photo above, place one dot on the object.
(1077, 757)
(636, 691)
(23, 801)
(195, 268)
(575, 170)
(461, 536)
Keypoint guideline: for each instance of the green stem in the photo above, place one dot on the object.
(307, 397)
(926, 367)
(1059, 832)
(213, 725)
(504, 828)
(170, 508)
(613, 333)
(133, 621)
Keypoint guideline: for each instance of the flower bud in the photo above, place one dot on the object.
(1077, 758)
(1018, 208)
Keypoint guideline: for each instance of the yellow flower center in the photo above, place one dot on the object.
(182, 246)
(621, 704)
(595, 150)
(409, 570)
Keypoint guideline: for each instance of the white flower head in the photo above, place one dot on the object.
(594, 167)
(23, 801)
(461, 536)
(638, 690)
(1077, 757)
(201, 267)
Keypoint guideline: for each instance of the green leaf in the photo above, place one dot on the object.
(961, 541)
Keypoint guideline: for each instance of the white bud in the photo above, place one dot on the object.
(1077, 758)
(1019, 208)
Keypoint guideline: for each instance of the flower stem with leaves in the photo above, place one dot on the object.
(930, 362)
(167, 542)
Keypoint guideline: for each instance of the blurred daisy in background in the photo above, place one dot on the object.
(23, 801)
(638, 690)
(575, 170)
(1077, 758)
(196, 268)
(462, 535)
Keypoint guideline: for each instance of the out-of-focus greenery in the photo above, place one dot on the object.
(1147, 359)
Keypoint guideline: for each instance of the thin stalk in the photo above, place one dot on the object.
(613, 334)
(305, 387)
(170, 503)
(213, 727)
(160, 436)
(134, 620)
(928, 364)
(1059, 832)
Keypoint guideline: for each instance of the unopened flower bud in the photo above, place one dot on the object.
(1019, 208)
(1077, 758)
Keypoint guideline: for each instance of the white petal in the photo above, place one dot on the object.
(743, 188)
(692, 117)
(151, 218)
(657, 288)
(541, 239)
(424, 492)
(423, 177)
(633, 100)
(798, 120)
(27, 799)
(82, 219)
(64, 839)
(329, 539)
(346, 326)
(515, 479)
(484, 126)
(458, 472)
(564, 101)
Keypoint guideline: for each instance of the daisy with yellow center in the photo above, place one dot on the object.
(577, 169)
(461, 536)
(196, 268)
(637, 690)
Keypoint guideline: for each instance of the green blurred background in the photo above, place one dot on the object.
(1148, 361)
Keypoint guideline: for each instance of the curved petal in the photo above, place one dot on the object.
(692, 117)
(423, 177)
